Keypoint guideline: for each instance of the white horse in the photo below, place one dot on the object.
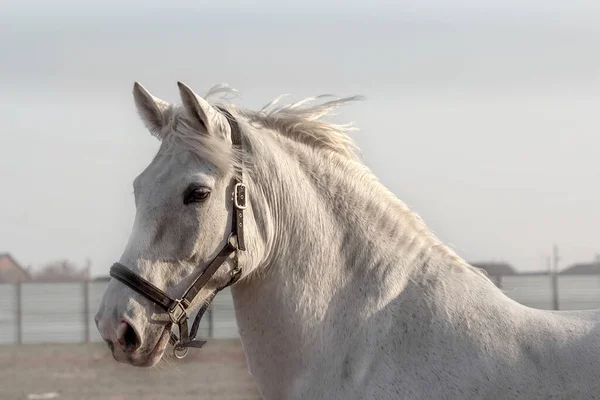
(344, 292)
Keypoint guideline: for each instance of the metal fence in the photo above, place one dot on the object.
(64, 312)
(568, 292)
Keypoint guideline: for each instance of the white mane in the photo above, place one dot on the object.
(300, 121)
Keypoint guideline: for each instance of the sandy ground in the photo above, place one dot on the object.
(88, 372)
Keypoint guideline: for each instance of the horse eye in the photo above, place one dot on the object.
(195, 194)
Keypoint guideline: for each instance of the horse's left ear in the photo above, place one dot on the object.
(203, 115)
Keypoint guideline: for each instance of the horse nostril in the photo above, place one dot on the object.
(127, 337)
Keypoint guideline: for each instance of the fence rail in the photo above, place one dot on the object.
(64, 312)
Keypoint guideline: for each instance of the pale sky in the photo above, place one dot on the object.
(483, 116)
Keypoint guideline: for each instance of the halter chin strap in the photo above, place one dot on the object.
(177, 309)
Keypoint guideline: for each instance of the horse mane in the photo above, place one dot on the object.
(300, 121)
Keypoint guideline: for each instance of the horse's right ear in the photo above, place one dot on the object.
(152, 110)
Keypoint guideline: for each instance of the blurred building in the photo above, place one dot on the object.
(589, 268)
(11, 271)
(496, 270)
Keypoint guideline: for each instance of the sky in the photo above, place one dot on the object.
(481, 115)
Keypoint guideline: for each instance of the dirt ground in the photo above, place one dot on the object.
(88, 372)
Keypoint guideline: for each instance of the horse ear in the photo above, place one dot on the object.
(151, 109)
(205, 116)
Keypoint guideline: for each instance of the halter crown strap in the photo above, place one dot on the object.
(239, 195)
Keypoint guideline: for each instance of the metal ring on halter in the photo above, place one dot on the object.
(182, 351)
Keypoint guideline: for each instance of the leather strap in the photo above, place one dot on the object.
(239, 191)
(140, 285)
(193, 290)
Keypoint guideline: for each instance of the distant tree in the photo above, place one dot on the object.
(62, 271)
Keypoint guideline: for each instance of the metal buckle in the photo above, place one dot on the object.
(236, 198)
(177, 316)
(235, 274)
(232, 241)
(180, 352)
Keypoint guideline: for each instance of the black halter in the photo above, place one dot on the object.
(178, 308)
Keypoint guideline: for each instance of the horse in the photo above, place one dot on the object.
(340, 290)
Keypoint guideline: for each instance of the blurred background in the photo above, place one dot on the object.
(481, 115)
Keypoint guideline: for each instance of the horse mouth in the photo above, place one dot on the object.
(158, 350)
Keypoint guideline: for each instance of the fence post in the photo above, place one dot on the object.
(211, 330)
(19, 312)
(86, 310)
(555, 258)
(554, 277)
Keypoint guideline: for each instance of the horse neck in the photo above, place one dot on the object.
(331, 224)
(340, 250)
(345, 257)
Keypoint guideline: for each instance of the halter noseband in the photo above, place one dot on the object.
(177, 309)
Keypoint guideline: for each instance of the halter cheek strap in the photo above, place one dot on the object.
(177, 309)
